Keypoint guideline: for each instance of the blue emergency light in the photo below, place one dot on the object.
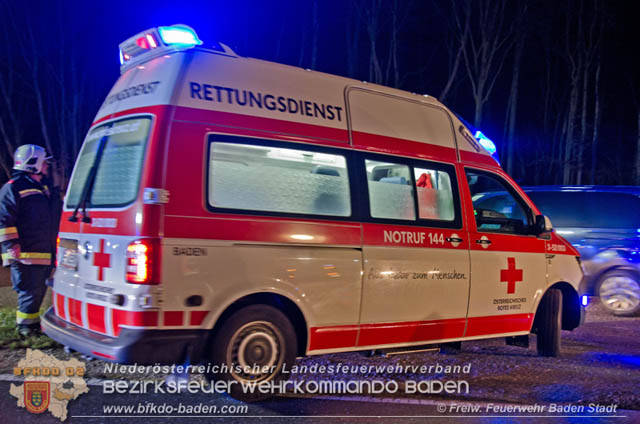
(485, 142)
(585, 300)
(179, 35)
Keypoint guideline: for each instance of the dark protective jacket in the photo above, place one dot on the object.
(29, 216)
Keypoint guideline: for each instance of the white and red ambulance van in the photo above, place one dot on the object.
(242, 212)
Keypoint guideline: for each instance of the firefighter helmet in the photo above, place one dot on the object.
(30, 158)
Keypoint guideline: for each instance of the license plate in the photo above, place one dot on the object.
(69, 254)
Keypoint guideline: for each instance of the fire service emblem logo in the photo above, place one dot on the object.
(36, 396)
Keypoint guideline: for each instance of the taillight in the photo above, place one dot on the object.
(142, 262)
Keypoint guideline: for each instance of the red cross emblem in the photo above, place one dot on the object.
(511, 275)
(101, 260)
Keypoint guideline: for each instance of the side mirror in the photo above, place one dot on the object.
(542, 225)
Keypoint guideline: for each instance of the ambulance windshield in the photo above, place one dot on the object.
(109, 166)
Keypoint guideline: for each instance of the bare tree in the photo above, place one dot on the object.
(583, 35)
(455, 43)
(370, 14)
(315, 30)
(352, 34)
(490, 41)
(636, 101)
(637, 167)
(399, 12)
(512, 105)
(43, 90)
(392, 62)
(10, 128)
(597, 118)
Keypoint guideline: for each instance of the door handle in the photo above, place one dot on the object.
(483, 241)
(454, 240)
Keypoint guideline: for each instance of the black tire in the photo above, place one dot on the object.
(549, 323)
(256, 335)
(619, 292)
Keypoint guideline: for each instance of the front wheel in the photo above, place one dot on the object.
(548, 323)
(619, 293)
(251, 349)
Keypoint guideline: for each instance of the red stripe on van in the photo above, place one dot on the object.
(146, 109)
(75, 311)
(499, 324)
(507, 243)
(333, 337)
(251, 228)
(400, 146)
(173, 318)
(125, 222)
(316, 134)
(272, 128)
(95, 315)
(415, 331)
(558, 240)
(407, 332)
(132, 318)
(479, 158)
(197, 317)
(60, 306)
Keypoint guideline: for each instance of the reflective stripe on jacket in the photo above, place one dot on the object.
(25, 318)
(27, 258)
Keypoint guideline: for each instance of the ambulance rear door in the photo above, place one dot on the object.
(115, 198)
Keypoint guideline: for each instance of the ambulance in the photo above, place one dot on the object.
(239, 212)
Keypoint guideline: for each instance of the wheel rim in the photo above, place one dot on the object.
(256, 352)
(620, 293)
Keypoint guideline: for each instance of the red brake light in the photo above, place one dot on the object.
(142, 42)
(147, 42)
(142, 261)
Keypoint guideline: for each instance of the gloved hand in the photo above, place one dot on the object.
(14, 251)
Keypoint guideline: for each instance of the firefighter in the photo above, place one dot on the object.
(28, 229)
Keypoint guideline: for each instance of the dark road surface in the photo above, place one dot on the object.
(600, 365)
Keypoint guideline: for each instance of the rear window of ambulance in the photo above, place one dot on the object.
(118, 170)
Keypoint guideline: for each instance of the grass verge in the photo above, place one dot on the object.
(9, 337)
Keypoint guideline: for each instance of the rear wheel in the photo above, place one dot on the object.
(549, 323)
(251, 348)
(619, 293)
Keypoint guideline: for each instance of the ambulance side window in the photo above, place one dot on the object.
(497, 208)
(416, 192)
(435, 194)
(391, 193)
(276, 179)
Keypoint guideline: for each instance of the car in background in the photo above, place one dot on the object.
(603, 224)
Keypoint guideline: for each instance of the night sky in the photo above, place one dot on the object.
(84, 37)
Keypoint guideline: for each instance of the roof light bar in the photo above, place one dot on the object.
(179, 35)
(485, 142)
